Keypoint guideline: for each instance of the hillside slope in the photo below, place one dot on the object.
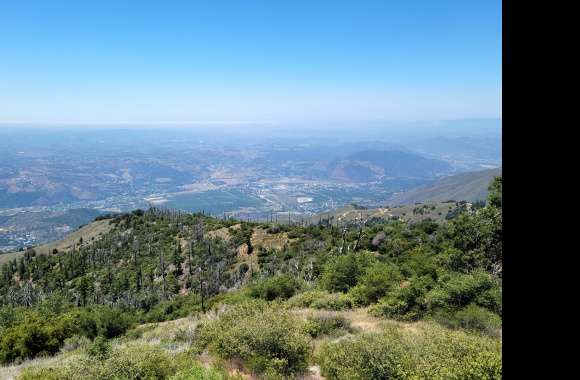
(263, 300)
(469, 187)
(371, 165)
(27, 227)
(87, 233)
(436, 211)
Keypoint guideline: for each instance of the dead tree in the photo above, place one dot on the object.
(163, 274)
(341, 249)
(361, 223)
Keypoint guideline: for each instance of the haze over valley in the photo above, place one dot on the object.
(52, 180)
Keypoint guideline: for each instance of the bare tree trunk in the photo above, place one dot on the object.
(341, 250)
(190, 244)
(360, 234)
(162, 266)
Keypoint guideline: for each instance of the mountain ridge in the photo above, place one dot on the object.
(469, 186)
(369, 165)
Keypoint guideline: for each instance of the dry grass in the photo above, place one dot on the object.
(177, 335)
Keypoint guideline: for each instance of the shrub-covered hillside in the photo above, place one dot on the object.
(271, 300)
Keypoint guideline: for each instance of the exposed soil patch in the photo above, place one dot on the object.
(261, 238)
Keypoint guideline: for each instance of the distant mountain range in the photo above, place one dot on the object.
(471, 187)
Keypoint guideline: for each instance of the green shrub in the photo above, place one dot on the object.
(9, 316)
(460, 290)
(138, 361)
(377, 281)
(406, 302)
(334, 301)
(28, 339)
(269, 339)
(100, 349)
(75, 342)
(135, 361)
(472, 317)
(343, 272)
(283, 287)
(134, 334)
(113, 322)
(33, 334)
(230, 298)
(477, 318)
(319, 299)
(327, 324)
(305, 299)
(434, 353)
(441, 354)
(491, 299)
(179, 307)
(367, 357)
(54, 304)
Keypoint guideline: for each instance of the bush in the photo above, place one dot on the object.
(491, 299)
(434, 353)
(334, 301)
(442, 354)
(413, 300)
(283, 287)
(113, 322)
(53, 305)
(477, 318)
(75, 342)
(136, 361)
(179, 307)
(28, 339)
(472, 317)
(100, 349)
(327, 324)
(375, 283)
(139, 361)
(269, 339)
(10, 316)
(406, 302)
(460, 290)
(367, 357)
(319, 299)
(343, 272)
(37, 334)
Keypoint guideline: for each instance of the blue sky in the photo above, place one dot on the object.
(248, 61)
